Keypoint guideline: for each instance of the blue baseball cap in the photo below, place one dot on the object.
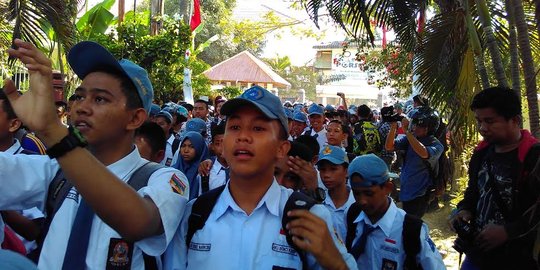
(154, 109)
(87, 56)
(166, 115)
(197, 125)
(181, 110)
(288, 113)
(334, 154)
(315, 109)
(268, 103)
(371, 168)
(300, 117)
(330, 108)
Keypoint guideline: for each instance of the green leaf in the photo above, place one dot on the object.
(96, 20)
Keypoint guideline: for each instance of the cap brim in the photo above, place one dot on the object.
(86, 56)
(333, 160)
(393, 175)
(234, 104)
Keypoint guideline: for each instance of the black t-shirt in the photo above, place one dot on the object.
(504, 167)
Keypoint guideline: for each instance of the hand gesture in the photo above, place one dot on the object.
(310, 233)
(305, 170)
(36, 107)
(204, 167)
(405, 123)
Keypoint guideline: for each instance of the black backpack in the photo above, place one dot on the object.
(410, 234)
(59, 189)
(203, 205)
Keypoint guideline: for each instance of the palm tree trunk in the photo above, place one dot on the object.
(121, 11)
(485, 19)
(514, 54)
(476, 47)
(528, 66)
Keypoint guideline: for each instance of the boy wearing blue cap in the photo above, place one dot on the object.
(316, 122)
(332, 166)
(243, 224)
(377, 236)
(111, 103)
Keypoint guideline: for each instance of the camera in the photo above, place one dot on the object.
(466, 233)
(388, 115)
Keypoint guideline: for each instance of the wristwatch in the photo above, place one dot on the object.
(73, 140)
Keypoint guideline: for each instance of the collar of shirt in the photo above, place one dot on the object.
(15, 148)
(125, 166)
(171, 139)
(270, 199)
(385, 223)
(330, 202)
(321, 132)
(216, 167)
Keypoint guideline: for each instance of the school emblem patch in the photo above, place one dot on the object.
(177, 185)
(119, 255)
(254, 93)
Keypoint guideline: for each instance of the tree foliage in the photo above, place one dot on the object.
(162, 55)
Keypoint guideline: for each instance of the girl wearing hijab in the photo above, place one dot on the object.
(193, 150)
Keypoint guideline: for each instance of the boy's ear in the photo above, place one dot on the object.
(14, 125)
(283, 149)
(388, 187)
(138, 116)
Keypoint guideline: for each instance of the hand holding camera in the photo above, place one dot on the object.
(341, 94)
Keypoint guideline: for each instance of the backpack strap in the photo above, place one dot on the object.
(175, 145)
(412, 226)
(200, 211)
(138, 180)
(352, 214)
(140, 177)
(297, 200)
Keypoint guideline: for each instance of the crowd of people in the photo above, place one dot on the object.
(117, 182)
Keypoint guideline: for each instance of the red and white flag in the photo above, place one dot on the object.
(196, 16)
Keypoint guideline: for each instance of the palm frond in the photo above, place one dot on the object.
(445, 68)
(27, 17)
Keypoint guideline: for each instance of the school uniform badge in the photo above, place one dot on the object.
(177, 185)
(120, 254)
(388, 264)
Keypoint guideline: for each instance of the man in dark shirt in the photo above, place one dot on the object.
(491, 221)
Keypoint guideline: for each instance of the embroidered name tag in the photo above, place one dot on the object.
(283, 249)
(73, 195)
(390, 249)
(199, 246)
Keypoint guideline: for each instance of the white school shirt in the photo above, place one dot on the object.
(169, 155)
(29, 188)
(15, 148)
(217, 177)
(338, 214)
(231, 239)
(321, 137)
(385, 244)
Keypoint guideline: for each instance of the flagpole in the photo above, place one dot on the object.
(187, 86)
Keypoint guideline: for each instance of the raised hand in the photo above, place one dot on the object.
(36, 107)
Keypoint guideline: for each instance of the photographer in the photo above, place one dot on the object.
(422, 151)
(492, 222)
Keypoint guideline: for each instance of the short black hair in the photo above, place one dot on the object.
(217, 129)
(364, 111)
(202, 101)
(6, 106)
(310, 142)
(154, 134)
(300, 150)
(503, 100)
(133, 100)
